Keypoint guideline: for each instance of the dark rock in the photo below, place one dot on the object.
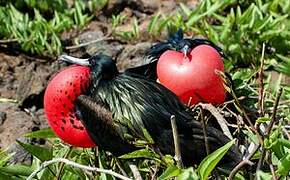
(112, 49)
(20, 155)
(41, 119)
(16, 124)
(114, 7)
(2, 117)
(32, 83)
(132, 55)
(144, 6)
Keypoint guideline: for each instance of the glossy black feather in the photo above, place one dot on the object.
(97, 118)
(137, 103)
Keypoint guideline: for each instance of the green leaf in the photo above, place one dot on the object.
(46, 174)
(4, 157)
(168, 160)
(21, 170)
(41, 153)
(284, 142)
(170, 172)
(153, 23)
(283, 67)
(185, 9)
(142, 153)
(163, 24)
(263, 176)
(209, 163)
(5, 176)
(263, 119)
(284, 165)
(42, 133)
(188, 174)
(212, 9)
(147, 136)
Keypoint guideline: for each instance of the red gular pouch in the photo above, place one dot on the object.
(193, 77)
(59, 107)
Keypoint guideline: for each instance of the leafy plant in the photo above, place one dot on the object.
(36, 33)
(129, 35)
(239, 28)
(117, 20)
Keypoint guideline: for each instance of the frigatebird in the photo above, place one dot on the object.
(121, 105)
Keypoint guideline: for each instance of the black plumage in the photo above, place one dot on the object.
(177, 42)
(125, 103)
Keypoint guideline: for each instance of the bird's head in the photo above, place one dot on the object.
(63, 90)
(102, 67)
(184, 46)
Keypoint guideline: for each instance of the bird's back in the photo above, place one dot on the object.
(139, 103)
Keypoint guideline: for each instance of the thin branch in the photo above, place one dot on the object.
(189, 101)
(176, 142)
(269, 128)
(273, 119)
(232, 101)
(261, 159)
(238, 167)
(246, 161)
(272, 169)
(240, 108)
(135, 171)
(5, 100)
(261, 84)
(88, 43)
(119, 164)
(74, 164)
(204, 131)
(154, 173)
(6, 41)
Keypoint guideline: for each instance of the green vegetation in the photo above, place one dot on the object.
(239, 27)
(36, 27)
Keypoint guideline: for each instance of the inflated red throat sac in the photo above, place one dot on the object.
(193, 77)
(59, 107)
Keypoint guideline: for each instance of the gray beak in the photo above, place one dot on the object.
(73, 60)
(185, 50)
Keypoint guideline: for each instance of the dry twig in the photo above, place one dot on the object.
(106, 38)
(135, 171)
(269, 128)
(74, 164)
(244, 162)
(273, 119)
(176, 142)
(204, 131)
(261, 84)
(7, 41)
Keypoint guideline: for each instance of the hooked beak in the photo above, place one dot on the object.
(73, 60)
(185, 50)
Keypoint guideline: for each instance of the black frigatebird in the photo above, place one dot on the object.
(118, 104)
